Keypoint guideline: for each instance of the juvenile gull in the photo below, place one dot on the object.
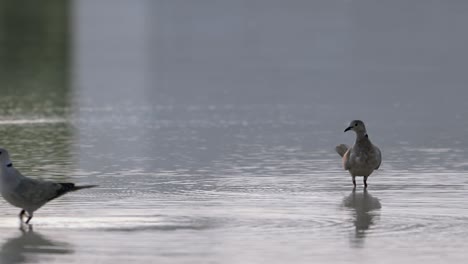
(26, 193)
(362, 158)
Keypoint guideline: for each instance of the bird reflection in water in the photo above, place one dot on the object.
(362, 204)
(30, 247)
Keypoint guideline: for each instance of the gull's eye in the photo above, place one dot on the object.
(0, 153)
(355, 124)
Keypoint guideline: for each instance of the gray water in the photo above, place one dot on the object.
(210, 128)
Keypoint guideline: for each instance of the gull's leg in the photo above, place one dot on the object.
(30, 216)
(354, 181)
(21, 215)
(365, 181)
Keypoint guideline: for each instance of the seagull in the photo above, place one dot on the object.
(362, 158)
(27, 193)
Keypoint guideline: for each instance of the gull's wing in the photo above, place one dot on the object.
(341, 149)
(347, 159)
(379, 157)
(38, 192)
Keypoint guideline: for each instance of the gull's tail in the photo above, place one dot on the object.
(341, 149)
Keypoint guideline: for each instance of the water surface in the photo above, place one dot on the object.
(227, 184)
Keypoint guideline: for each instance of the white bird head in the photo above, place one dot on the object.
(5, 158)
(357, 126)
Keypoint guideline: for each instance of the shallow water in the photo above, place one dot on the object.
(233, 185)
(210, 130)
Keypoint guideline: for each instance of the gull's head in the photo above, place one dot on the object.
(5, 158)
(356, 126)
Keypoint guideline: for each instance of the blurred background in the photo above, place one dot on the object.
(339, 59)
(180, 109)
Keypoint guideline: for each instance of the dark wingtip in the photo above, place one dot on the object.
(69, 187)
(84, 187)
(64, 188)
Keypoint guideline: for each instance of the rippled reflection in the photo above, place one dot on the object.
(29, 247)
(362, 204)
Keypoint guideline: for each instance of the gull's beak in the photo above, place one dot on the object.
(347, 129)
